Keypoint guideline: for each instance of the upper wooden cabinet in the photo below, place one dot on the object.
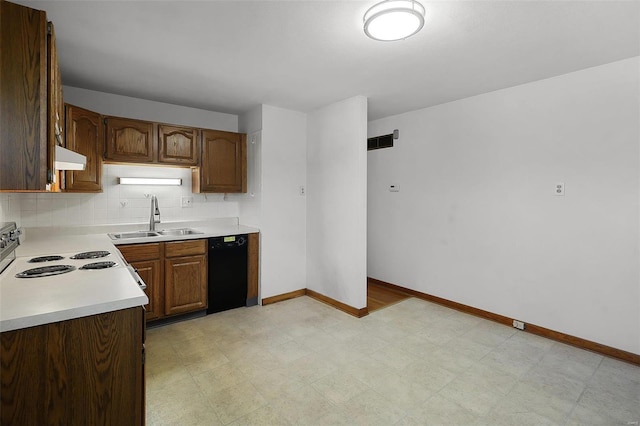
(30, 91)
(177, 145)
(223, 163)
(128, 140)
(137, 141)
(85, 135)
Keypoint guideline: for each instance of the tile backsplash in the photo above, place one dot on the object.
(117, 203)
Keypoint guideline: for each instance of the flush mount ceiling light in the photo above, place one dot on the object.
(393, 20)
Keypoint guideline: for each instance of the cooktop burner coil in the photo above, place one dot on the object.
(45, 259)
(45, 271)
(98, 265)
(91, 254)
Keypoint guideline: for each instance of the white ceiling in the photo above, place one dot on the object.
(229, 56)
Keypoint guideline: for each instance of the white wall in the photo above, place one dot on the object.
(476, 219)
(251, 121)
(249, 204)
(142, 109)
(283, 210)
(120, 203)
(336, 201)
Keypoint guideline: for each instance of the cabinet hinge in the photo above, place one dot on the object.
(49, 29)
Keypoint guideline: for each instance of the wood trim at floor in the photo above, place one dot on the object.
(358, 313)
(530, 328)
(284, 296)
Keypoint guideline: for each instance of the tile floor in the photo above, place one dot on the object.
(414, 363)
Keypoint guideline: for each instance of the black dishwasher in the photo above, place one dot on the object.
(227, 273)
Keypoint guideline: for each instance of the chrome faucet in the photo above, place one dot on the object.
(154, 212)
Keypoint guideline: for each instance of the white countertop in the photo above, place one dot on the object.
(28, 302)
(39, 241)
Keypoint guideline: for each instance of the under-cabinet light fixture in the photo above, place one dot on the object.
(149, 181)
(392, 20)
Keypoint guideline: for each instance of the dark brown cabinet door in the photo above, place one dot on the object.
(185, 284)
(23, 95)
(85, 135)
(130, 141)
(185, 276)
(223, 164)
(147, 259)
(84, 371)
(149, 271)
(177, 145)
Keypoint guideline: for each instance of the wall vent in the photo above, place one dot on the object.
(377, 142)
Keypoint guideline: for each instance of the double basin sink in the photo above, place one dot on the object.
(146, 234)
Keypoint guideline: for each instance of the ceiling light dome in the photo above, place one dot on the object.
(392, 20)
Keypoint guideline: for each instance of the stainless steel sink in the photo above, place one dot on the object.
(146, 234)
(134, 234)
(179, 231)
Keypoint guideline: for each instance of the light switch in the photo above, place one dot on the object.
(394, 188)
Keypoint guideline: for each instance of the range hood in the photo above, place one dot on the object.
(68, 160)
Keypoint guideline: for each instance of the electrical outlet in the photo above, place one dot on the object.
(559, 188)
(519, 324)
(186, 202)
(302, 191)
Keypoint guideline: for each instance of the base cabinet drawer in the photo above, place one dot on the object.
(185, 248)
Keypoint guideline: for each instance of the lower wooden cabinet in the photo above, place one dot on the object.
(185, 276)
(150, 271)
(84, 371)
(253, 269)
(147, 259)
(175, 273)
